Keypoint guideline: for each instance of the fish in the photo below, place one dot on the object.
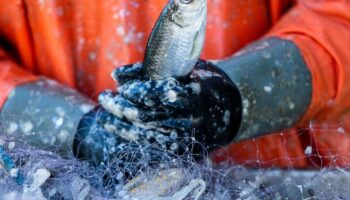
(176, 41)
(165, 184)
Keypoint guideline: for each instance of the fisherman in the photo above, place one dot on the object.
(291, 80)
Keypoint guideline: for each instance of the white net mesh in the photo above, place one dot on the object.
(48, 176)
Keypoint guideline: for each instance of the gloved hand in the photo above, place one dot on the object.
(155, 120)
(104, 139)
(203, 108)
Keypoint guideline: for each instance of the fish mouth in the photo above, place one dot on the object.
(185, 15)
(197, 5)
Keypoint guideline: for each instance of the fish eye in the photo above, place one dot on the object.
(186, 1)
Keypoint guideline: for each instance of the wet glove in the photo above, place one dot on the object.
(148, 121)
(197, 113)
(103, 139)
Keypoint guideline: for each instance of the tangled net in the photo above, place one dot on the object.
(46, 175)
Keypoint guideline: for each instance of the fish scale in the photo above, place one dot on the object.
(179, 52)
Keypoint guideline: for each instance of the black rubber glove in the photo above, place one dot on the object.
(103, 139)
(191, 114)
(148, 122)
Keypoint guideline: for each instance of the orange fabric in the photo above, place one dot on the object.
(79, 42)
(278, 8)
(321, 29)
(14, 28)
(322, 145)
(19, 36)
(232, 24)
(284, 149)
(11, 75)
(331, 144)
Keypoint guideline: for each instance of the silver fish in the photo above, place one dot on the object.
(177, 39)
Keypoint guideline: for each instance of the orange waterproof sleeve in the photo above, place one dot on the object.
(11, 75)
(278, 8)
(321, 29)
(14, 30)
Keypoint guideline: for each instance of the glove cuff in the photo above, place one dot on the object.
(44, 114)
(275, 85)
(222, 103)
(92, 142)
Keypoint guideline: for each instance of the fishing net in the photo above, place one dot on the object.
(38, 174)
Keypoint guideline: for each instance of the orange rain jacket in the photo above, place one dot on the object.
(79, 43)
